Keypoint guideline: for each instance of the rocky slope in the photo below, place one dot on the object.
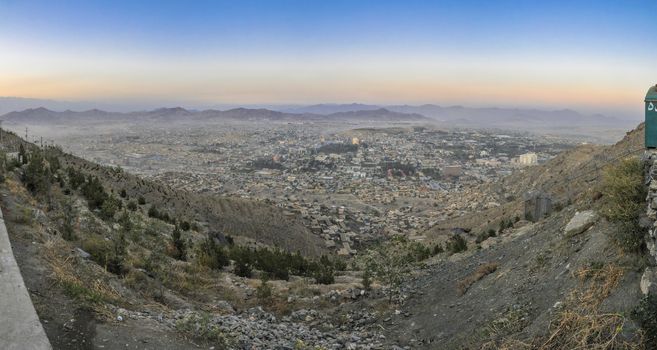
(537, 268)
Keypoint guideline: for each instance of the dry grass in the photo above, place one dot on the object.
(18, 190)
(581, 325)
(481, 272)
(88, 289)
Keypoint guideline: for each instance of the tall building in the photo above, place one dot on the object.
(528, 159)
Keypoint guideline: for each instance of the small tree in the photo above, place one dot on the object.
(324, 275)
(390, 263)
(109, 208)
(68, 221)
(153, 212)
(22, 155)
(264, 292)
(210, 254)
(179, 244)
(115, 262)
(125, 221)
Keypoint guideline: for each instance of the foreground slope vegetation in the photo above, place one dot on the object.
(241, 274)
(529, 285)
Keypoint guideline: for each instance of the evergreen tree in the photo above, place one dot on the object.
(68, 221)
(179, 244)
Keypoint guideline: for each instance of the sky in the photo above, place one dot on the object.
(593, 56)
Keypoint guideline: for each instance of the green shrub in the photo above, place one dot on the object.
(179, 244)
(324, 275)
(209, 254)
(243, 269)
(456, 244)
(109, 208)
(623, 191)
(37, 176)
(94, 192)
(264, 292)
(391, 262)
(108, 254)
(68, 220)
(200, 327)
(644, 315)
(367, 278)
(485, 235)
(185, 226)
(132, 205)
(623, 202)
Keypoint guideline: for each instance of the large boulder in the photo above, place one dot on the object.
(649, 281)
(580, 222)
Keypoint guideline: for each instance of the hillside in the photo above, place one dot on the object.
(124, 272)
(566, 178)
(105, 270)
(536, 270)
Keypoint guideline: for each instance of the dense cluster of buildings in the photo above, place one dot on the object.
(351, 185)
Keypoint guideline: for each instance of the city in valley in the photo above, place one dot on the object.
(328, 175)
(352, 183)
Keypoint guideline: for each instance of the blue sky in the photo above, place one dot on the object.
(524, 53)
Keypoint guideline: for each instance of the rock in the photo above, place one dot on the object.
(82, 253)
(581, 222)
(225, 306)
(649, 281)
(645, 222)
(653, 185)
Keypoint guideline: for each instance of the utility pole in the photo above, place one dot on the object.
(26, 134)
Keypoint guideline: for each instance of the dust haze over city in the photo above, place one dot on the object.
(328, 175)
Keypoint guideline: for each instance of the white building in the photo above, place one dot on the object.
(528, 159)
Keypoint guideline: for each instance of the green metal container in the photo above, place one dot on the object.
(651, 117)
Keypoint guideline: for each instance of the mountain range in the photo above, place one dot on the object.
(43, 115)
(564, 122)
(486, 117)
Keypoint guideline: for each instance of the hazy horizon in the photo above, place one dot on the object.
(593, 57)
(18, 104)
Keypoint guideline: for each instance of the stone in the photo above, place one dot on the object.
(82, 253)
(581, 222)
(649, 281)
(645, 222)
